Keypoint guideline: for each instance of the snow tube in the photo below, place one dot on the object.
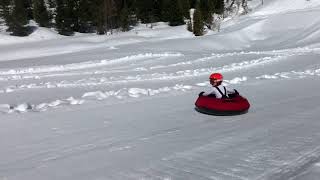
(235, 105)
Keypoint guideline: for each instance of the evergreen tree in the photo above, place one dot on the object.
(219, 6)
(193, 3)
(40, 13)
(156, 11)
(85, 16)
(189, 26)
(198, 29)
(126, 7)
(206, 12)
(18, 19)
(165, 6)
(51, 8)
(185, 4)
(132, 12)
(176, 13)
(111, 13)
(104, 15)
(244, 5)
(27, 4)
(63, 20)
(124, 17)
(99, 16)
(4, 11)
(52, 3)
(145, 10)
(212, 6)
(72, 13)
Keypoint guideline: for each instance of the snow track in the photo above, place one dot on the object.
(104, 74)
(84, 65)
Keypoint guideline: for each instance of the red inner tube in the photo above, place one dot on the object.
(235, 104)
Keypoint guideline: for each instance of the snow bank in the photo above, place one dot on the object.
(281, 6)
(39, 34)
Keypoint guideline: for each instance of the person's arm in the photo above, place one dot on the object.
(231, 91)
(206, 93)
(211, 94)
(201, 93)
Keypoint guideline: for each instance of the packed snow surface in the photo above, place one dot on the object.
(122, 106)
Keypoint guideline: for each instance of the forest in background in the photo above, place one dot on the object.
(103, 16)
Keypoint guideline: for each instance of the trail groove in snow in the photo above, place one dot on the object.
(146, 75)
(84, 65)
(39, 72)
(294, 167)
(135, 92)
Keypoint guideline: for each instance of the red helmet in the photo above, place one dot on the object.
(216, 76)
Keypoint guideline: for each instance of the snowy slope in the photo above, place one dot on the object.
(121, 106)
(275, 7)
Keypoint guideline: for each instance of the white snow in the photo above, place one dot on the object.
(39, 34)
(121, 106)
(275, 7)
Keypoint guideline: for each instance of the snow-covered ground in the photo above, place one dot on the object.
(121, 106)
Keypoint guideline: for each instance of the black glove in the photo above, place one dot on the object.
(236, 92)
(201, 94)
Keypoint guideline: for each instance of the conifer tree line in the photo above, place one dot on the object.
(102, 16)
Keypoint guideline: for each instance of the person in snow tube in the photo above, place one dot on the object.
(222, 100)
(219, 91)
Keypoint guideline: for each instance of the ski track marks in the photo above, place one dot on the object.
(110, 69)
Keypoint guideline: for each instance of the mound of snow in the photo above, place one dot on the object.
(38, 35)
(5, 108)
(95, 95)
(24, 107)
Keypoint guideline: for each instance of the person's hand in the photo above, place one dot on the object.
(201, 94)
(236, 92)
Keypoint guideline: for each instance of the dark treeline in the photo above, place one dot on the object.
(102, 16)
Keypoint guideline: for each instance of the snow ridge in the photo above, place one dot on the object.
(135, 92)
(85, 65)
